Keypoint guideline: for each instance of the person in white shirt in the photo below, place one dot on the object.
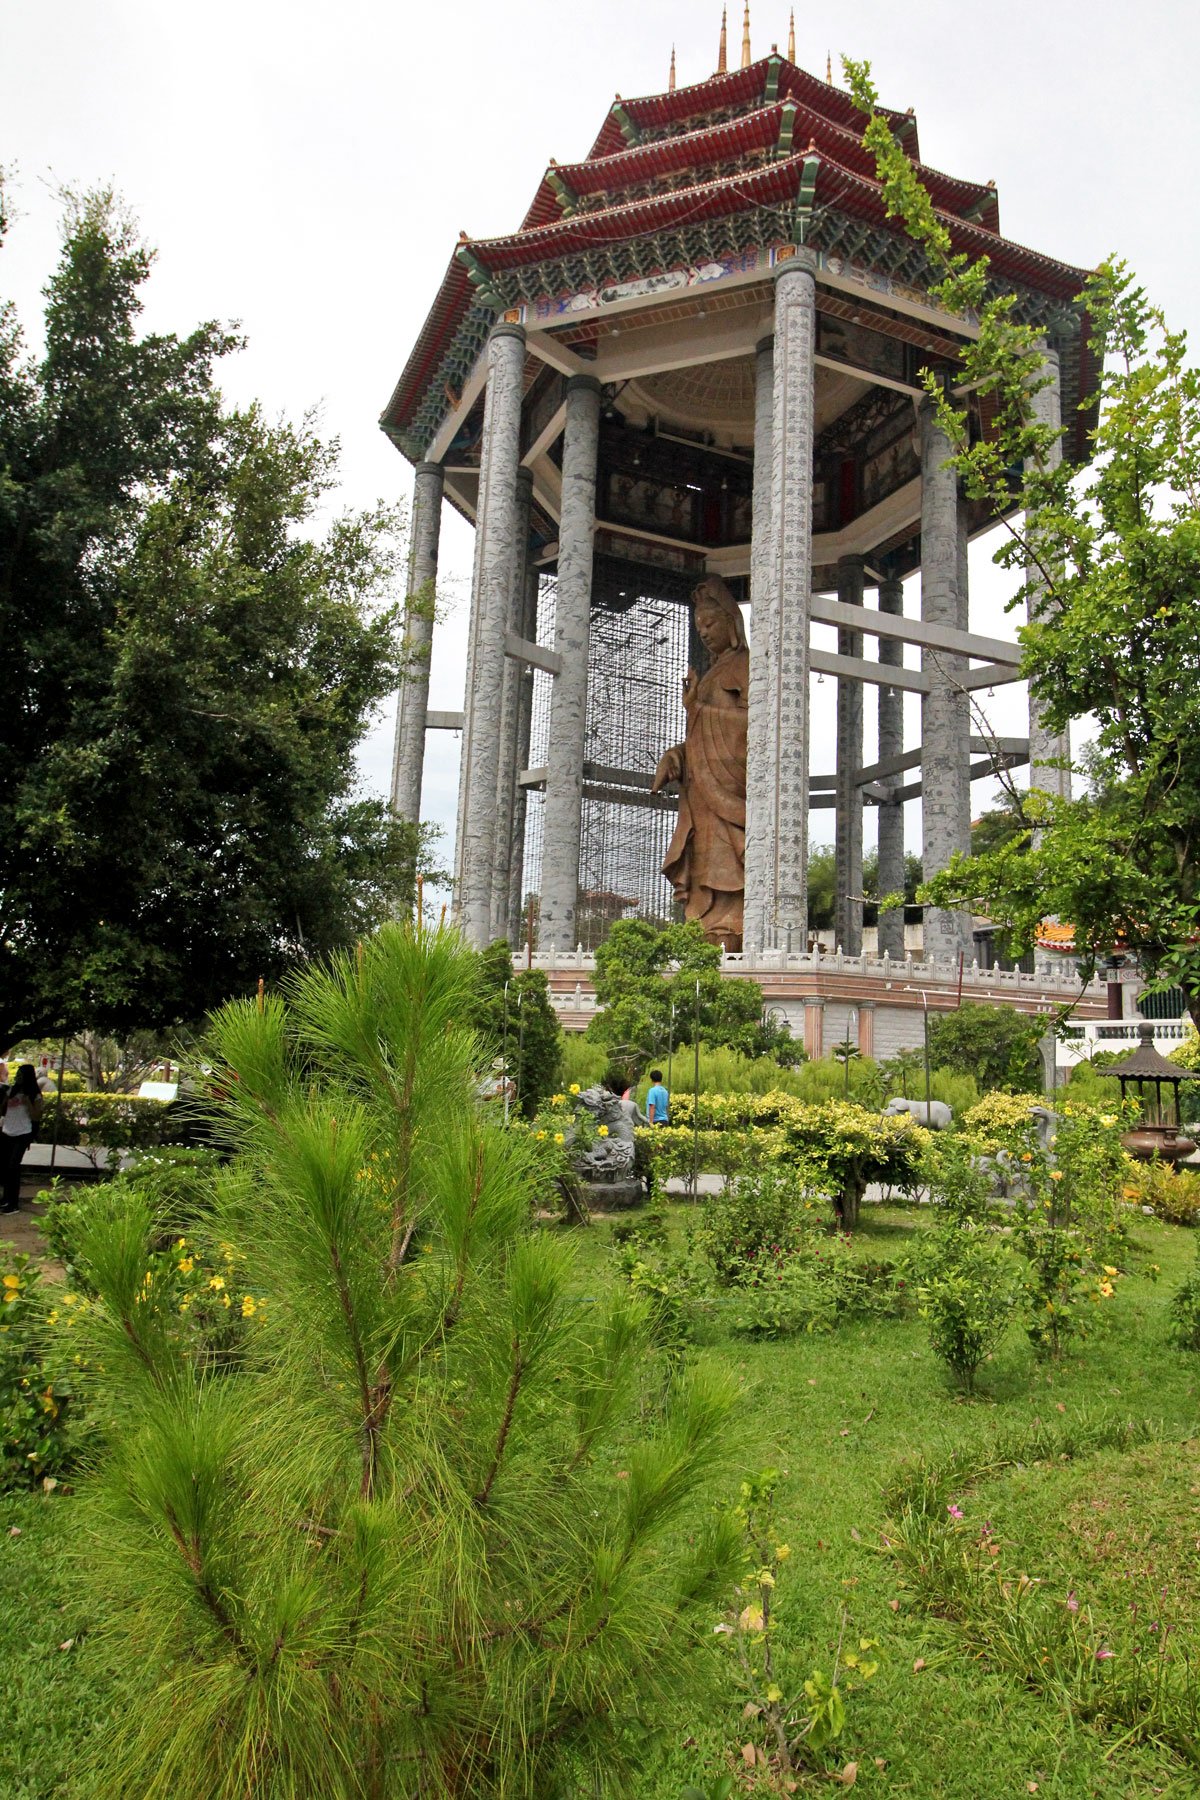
(22, 1110)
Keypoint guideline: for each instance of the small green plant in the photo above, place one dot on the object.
(1184, 1326)
(802, 1729)
(967, 1290)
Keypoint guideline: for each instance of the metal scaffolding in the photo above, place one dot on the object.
(639, 650)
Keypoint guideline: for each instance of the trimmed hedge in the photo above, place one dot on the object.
(92, 1122)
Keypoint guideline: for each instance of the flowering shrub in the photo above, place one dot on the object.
(967, 1290)
(41, 1369)
(1184, 1327)
(1001, 1122)
(1173, 1194)
(759, 1221)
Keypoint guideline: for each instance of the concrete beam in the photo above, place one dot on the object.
(912, 631)
(536, 655)
(854, 668)
(443, 721)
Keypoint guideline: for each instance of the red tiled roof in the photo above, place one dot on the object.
(742, 87)
(757, 130)
(826, 117)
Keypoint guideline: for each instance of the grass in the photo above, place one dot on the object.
(839, 1416)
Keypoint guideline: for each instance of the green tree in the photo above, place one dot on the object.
(657, 984)
(192, 660)
(995, 1044)
(427, 1535)
(822, 887)
(522, 1029)
(1110, 567)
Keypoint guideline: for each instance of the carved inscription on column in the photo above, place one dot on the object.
(491, 604)
(760, 724)
(792, 483)
(413, 704)
(568, 699)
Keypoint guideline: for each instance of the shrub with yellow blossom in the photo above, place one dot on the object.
(41, 1370)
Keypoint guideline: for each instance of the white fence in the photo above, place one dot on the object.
(1083, 1040)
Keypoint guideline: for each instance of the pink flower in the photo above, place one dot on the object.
(956, 1512)
(1072, 1602)
(1103, 1655)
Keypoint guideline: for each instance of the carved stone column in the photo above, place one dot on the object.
(516, 874)
(945, 714)
(506, 769)
(848, 818)
(568, 698)
(408, 762)
(891, 743)
(786, 790)
(763, 636)
(496, 525)
(1046, 746)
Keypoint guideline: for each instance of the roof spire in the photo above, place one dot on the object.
(792, 37)
(829, 68)
(671, 80)
(722, 56)
(746, 37)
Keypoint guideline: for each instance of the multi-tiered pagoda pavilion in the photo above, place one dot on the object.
(700, 354)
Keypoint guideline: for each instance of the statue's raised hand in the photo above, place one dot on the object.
(670, 768)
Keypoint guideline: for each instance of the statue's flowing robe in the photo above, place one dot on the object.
(706, 859)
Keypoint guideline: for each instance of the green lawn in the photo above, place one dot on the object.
(837, 1415)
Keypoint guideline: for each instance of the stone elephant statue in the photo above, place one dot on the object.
(936, 1115)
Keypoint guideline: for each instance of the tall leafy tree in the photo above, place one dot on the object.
(663, 984)
(516, 1021)
(191, 657)
(1109, 563)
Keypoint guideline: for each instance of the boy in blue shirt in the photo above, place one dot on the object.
(658, 1105)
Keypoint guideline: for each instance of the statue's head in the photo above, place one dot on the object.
(718, 616)
(602, 1103)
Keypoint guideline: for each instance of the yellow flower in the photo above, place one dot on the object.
(558, 1137)
(1110, 1271)
(9, 1295)
(181, 1243)
(248, 1306)
(602, 1131)
(224, 1299)
(783, 1551)
(574, 1087)
(1056, 1174)
(70, 1299)
(12, 1281)
(557, 1099)
(185, 1265)
(538, 1136)
(1107, 1289)
(1026, 1156)
(1108, 1118)
(185, 1303)
(216, 1282)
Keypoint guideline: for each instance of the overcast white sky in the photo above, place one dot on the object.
(306, 170)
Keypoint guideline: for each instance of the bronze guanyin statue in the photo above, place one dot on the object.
(706, 859)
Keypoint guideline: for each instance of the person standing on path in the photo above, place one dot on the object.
(658, 1101)
(22, 1110)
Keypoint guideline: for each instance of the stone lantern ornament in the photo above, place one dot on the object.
(1156, 1135)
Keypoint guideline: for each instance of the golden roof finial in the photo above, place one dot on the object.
(829, 68)
(722, 54)
(671, 80)
(746, 36)
(792, 37)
